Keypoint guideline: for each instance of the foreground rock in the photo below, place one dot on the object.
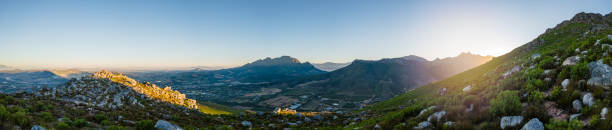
(577, 105)
(423, 125)
(565, 84)
(588, 99)
(601, 74)
(165, 125)
(571, 60)
(510, 121)
(533, 124)
(37, 127)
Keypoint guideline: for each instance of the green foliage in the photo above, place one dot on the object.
(3, 113)
(145, 125)
(547, 62)
(80, 123)
(105, 122)
(62, 126)
(20, 118)
(536, 97)
(47, 116)
(556, 93)
(99, 117)
(564, 125)
(116, 127)
(579, 71)
(506, 103)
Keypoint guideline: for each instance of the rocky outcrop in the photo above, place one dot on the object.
(533, 124)
(571, 60)
(150, 90)
(601, 74)
(588, 99)
(165, 125)
(510, 121)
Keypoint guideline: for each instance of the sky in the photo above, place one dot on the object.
(182, 33)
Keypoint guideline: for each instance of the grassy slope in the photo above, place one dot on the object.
(216, 109)
(486, 79)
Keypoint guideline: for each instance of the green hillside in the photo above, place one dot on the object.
(529, 92)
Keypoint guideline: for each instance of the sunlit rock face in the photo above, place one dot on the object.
(112, 90)
(150, 90)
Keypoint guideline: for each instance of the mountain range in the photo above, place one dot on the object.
(364, 82)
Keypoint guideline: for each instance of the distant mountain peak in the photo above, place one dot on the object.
(283, 60)
(413, 58)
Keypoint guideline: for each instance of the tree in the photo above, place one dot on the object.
(506, 103)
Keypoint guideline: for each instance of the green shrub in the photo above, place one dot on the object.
(99, 117)
(145, 125)
(105, 122)
(80, 123)
(536, 97)
(20, 118)
(556, 93)
(547, 62)
(579, 71)
(506, 103)
(62, 126)
(47, 116)
(564, 125)
(116, 127)
(3, 113)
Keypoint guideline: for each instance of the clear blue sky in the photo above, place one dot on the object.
(127, 33)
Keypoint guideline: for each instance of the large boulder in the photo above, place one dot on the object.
(601, 74)
(571, 60)
(577, 105)
(165, 125)
(37, 127)
(533, 124)
(510, 121)
(588, 99)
